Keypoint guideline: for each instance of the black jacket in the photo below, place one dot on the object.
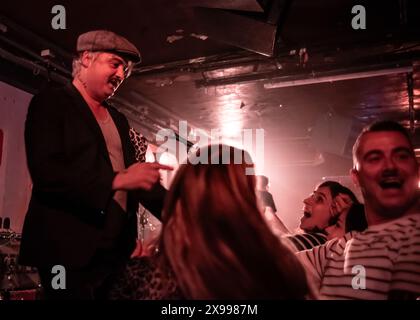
(72, 215)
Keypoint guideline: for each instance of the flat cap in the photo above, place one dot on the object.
(104, 40)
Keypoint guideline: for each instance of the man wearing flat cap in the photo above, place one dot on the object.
(86, 183)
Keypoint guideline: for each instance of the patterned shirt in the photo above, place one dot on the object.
(381, 262)
(144, 279)
(306, 241)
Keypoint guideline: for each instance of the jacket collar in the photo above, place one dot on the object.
(92, 123)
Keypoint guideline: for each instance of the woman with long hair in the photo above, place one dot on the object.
(214, 239)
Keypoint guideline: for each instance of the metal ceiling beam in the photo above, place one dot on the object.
(36, 56)
(243, 5)
(35, 68)
(324, 77)
(237, 30)
(279, 78)
(27, 34)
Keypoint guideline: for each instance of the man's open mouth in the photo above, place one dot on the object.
(115, 83)
(306, 214)
(391, 184)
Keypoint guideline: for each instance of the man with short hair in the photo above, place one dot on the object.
(86, 183)
(382, 262)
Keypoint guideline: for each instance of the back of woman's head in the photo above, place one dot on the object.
(216, 240)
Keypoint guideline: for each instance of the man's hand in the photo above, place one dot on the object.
(139, 176)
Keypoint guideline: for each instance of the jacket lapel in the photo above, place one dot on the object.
(81, 105)
(123, 133)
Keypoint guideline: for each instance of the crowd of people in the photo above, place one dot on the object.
(216, 240)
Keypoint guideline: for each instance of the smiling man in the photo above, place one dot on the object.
(386, 170)
(86, 184)
(382, 262)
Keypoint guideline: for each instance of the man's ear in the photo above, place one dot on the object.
(86, 59)
(355, 176)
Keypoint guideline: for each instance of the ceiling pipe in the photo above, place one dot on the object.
(36, 56)
(35, 68)
(34, 37)
(320, 78)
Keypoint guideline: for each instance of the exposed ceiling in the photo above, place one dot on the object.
(279, 65)
(187, 74)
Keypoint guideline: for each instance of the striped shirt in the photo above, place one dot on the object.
(305, 241)
(382, 260)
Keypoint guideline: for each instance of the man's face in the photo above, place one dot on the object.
(104, 74)
(387, 172)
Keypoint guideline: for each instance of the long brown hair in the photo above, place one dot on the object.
(216, 240)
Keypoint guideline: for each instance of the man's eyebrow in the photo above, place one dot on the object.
(405, 149)
(397, 149)
(369, 153)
